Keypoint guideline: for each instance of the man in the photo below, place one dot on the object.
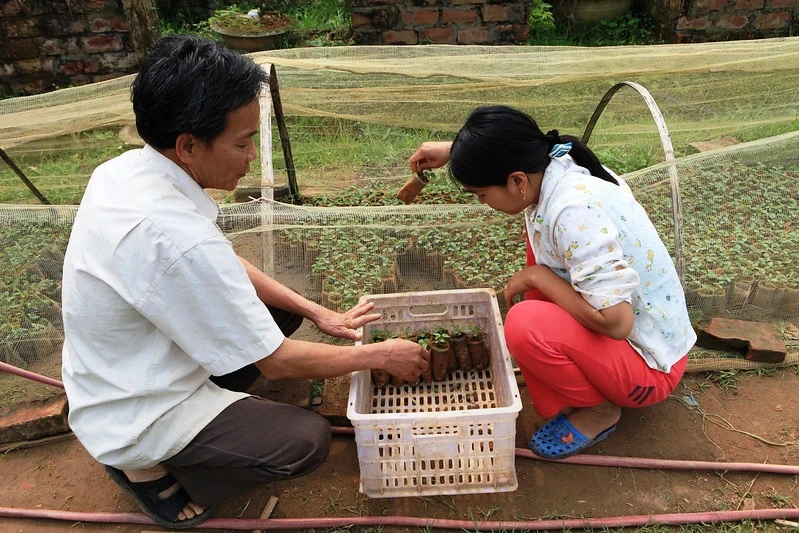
(156, 303)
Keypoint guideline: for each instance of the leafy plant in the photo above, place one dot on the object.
(440, 335)
(473, 331)
(381, 335)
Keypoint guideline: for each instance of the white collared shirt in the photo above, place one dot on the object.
(154, 301)
(596, 236)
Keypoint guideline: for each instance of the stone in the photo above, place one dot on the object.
(758, 341)
(723, 142)
(335, 396)
(34, 420)
(129, 135)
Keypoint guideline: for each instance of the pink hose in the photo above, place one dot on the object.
(641, 462)
(11, 369)
(407, 521)
(411, 521)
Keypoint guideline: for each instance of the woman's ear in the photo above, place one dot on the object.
(518, 182)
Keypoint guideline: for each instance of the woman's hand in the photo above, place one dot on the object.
(521, 282)
(615, 322)
(345, 325)
(431, 154)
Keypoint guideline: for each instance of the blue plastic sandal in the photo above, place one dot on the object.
(558, 439)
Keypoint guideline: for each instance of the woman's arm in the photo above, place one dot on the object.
(431, 154)
(615, 322)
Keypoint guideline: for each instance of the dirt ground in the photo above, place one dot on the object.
(759, 413)
(745, 417)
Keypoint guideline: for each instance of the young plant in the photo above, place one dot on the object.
(473, 331)
(440, 336)
(379, 335)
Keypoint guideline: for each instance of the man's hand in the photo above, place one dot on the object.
(403, 358)
(345, 325)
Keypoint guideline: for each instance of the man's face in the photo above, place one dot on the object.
(222, 163)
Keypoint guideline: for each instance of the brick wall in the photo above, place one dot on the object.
(721, 20)
(440, 21)
(45, 45)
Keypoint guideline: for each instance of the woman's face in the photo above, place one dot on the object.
(515, 196)
(498, 197)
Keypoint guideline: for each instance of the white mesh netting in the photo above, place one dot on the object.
(354, 116)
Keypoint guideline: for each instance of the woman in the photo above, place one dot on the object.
(604, 324)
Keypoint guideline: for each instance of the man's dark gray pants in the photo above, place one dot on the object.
(252, 442)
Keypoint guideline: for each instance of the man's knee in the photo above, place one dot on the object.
(312, 444)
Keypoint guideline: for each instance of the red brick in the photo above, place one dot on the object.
(438, 35)
(34, 420)
(400, 37)
(87, 6)
(705, 6)
(58, 26)
(472, 36)
(116, 61)
(702, 23)
(749, 5)
(359, 20)
(420, 17)
(510, 33)
(33, 66)
(18, 49)
(771, 21)
(757, 340)
(459, 16)
(102, 25)
(59, 47)
(7, 70)
(494, 13)
(11, 9)
(102, 43)
(733, 22)
(23, 27)
(70, 68)
(773, 4)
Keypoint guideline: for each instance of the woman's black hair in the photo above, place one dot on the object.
(496, 141)
(190, 85)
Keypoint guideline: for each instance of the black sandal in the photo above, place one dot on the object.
(163, 512)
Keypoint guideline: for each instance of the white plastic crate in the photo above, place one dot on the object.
(456, 436)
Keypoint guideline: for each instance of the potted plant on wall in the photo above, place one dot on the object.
(263, 27)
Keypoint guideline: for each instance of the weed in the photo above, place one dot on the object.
(727, 380)
(780, 500)
(764, 372)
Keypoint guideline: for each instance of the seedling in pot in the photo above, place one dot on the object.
(443, 347)
(478, 348)
(461, 348)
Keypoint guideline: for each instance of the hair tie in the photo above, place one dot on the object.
(558, 149)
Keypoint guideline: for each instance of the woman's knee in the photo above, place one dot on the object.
(520, 323)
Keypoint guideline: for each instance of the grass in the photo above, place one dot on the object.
(319, 23)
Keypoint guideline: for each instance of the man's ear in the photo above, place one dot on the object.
(185, 145)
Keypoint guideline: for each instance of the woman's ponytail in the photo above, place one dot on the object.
(584, 157)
